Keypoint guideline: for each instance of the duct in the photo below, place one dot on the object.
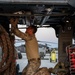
(71, 2)
(47, 17)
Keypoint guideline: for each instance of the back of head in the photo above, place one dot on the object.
(34, 28)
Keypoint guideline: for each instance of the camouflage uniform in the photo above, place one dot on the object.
(32, 67)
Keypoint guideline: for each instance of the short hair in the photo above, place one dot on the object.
(34, 28)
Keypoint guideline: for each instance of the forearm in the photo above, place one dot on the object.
(13, 23)
(17, 32)
(13, 28)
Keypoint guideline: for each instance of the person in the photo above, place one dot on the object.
(31, 46)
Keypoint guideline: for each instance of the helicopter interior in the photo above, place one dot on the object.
(50, 13)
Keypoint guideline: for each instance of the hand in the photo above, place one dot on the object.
(14, 21)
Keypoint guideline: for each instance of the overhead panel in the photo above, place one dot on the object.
(36, 1)
(71, 2)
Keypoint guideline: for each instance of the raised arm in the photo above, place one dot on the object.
(16, 31)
